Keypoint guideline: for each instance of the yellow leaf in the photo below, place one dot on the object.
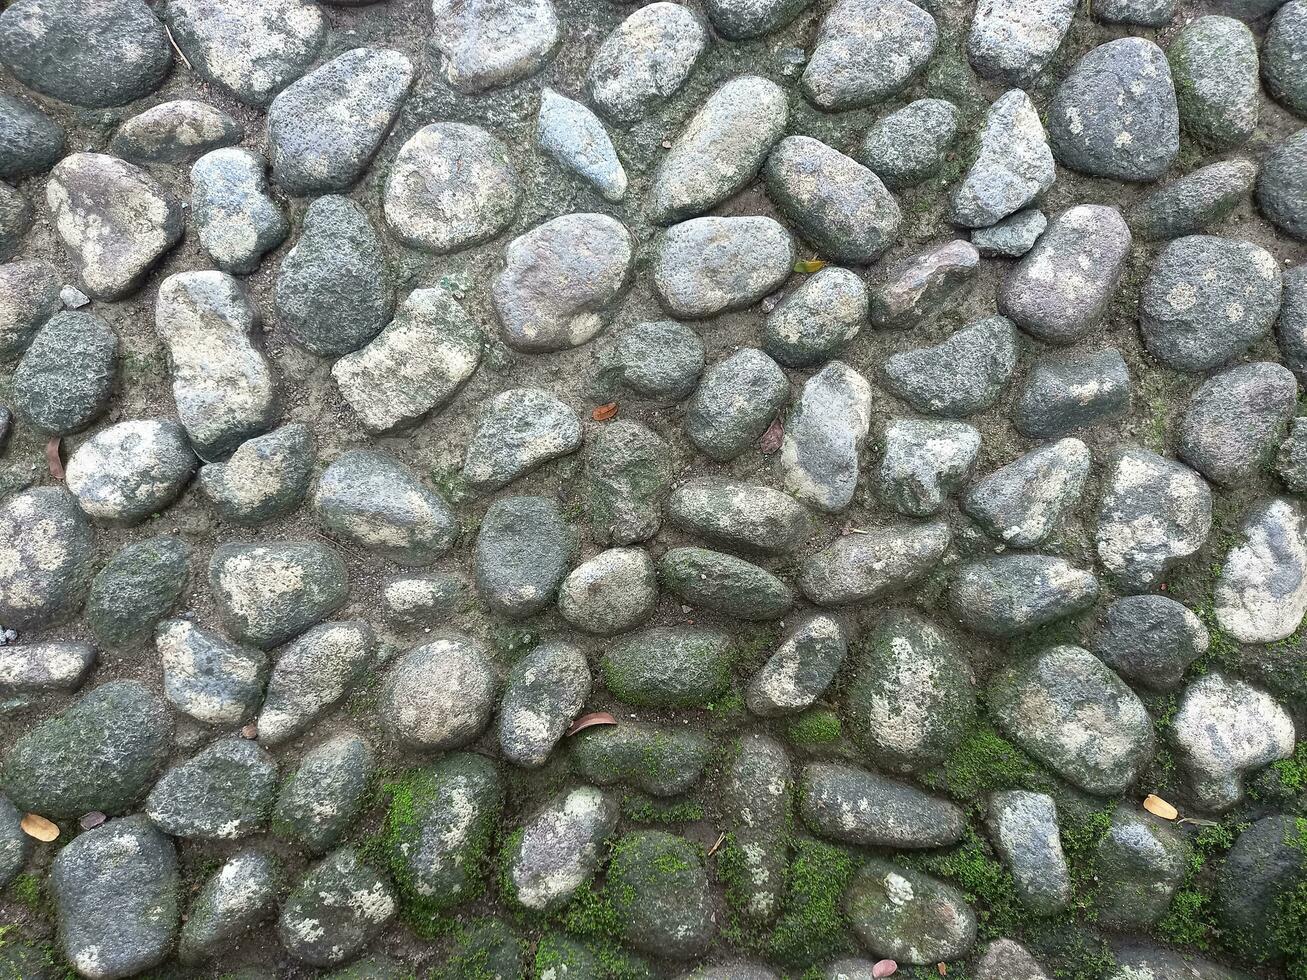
(809, 265)
(35, 825)
(1160, 808)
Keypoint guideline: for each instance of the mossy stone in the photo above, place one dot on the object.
(668, 667)
(659, 889)
(659, 761)
(138, 587)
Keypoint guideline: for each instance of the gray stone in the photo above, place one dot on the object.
(918, 289)
(814, 322)
(240, 895)
(336, 910)
(1140, 863)
(735, 404)
(909, 145)
(826, 429)
(723, 584)
(668, 667)
(1070, 712)
(1012, 237)
(924, 463)
(233, 209)
(46, 549)
(573, 135)
(414, 601)
(1013, 167)
(333, 293)
(207, 676)
(1013, 594)
(1150, 640)
(1214, 63)
(131, 470)
(1291, 330)
(225, 792)
(1282, 62)
(15, 845)
(1263, 868)
(875, 564)
(628, 474)
(963, 375)
(29, 296)
(833, 201)
(866, 52)
(806, 660)
(1166, 964)
(1193, 202)
(312, 675)
(1064, 285)
(15, 221)
(1143, 13)
(320, 800)
(222, 383)
(1022, 503)
(1115, 115)
(1011, 41)
(64, 381)
(1291, 461)
(115, 892)
(1281, 189)
(33, 668)
(740, 20)
(520, 430)
(659, 889)
(720, 150)
(1004, 959)
(543, 694)
(849, 969)
(611, 593)
(265, 478)
(1074, 390)
(560, 848)
(92, 53)
(414, 367)
(1154, 512)
(645, 61)
(707, 266)
(736, 970)
(757, 798)
(177, 132)
(1023, 828)
(660, 360)
(1235, 420)
(30, 141)
(114, 219)
(658, 761)
(439, 695)
(1261, 594)
(524, 549)
(103, 752)
(740, 516)
(324, 129)
(486, 44)
(269, 593)
(909, 916)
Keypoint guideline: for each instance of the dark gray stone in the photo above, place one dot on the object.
(319, 801)
(45, 558)
(1140, 863)
(30, 141)
(64, 381)
(15, 845)
(1142, 13)
(826, 429)
(1281, 189)
(439, 695)
(1214, 63)
(1291, 461)
(869, 566)
(908, 146)
(1235, 420)
(207, 676)
(1004, 959)
(660, 360)
(963, 375)
(1012, 237)
(806, 660)
(265, 478)
(29, 296)
(1193, 202)
(312, 675)
(757, 798)
(15, 221)
(1069, 391)
(1022, 503)
(611, 593)
(707, 266)
(560, 848)
(668, 667)
(723, 584)
(129, 471)
(918, 289)
(519, 431)
(924, 463)
(1150, 640)
(233, 209)
(740, 20)
(1264, 867)
(1282, 62)
(866, 52)
(177, 132)
(1012, 168)
(814, 322)
(269, 593)
(736, 402)
(909, 916)
(524, 549)
(140, 585)
(225, 792)
(240, 895)
(628, 473)
(1291, 330)
(336, 910)
(658, 761)
(659, 888)
(1013, 594)
(1023, 828)
(645, 61)
(542, 696)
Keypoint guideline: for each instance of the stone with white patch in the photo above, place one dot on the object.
(909, 916)
(320, 800)
(1071, 390)
(543, 693)
(1236, 419)
(802, 667)
(485, 44)
(233, 209)
(611, 593)
(29, 296)
(757, 795)
(269, 593)
(707, 266)
(1261, 594)
(129, 471)
(1013, 594)
(1023, 502)
(224, 792)
(560, 848)
(238, 896)
(519, 431)
(1023, 828)
(207, 676)
(1011, 41)
(439, 695)
(337, 908)
(740, 20)
(873, 564)
(265, 478)
(1014, 165)
(867, 51)
(177, 132)
(573, 135)
(961, 376)
(815, 321)
(745, 517)
(645, 61)
(1005, 959)
(413, 601)
(54, 665)
(826, 429)
(312, 675)
(924, 463)
(856, 806)
(46, 549)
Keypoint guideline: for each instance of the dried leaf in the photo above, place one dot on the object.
(604, 412)
(807, 266)
(721, 839)
(53, 460)
(942, 968)
(884, 968)
(593, 718)
(771, 439)
(92, 820)
(1159, 807)
(250, 731)
(35, 825)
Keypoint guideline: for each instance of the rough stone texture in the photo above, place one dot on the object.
(825, 430)
(574, 136)
(175, 132)
(909, 916)
(1012, 237)
(1011, 41)
(311, 676)
(319, 801)
(65, 379)
(560, 848)
(206, 675)
(1066, 392)
(239, 895)
(628, 476)
(1235, 420)
(668, 666)
(836, 802)
(743, 517)
(611, 593)
(1281, 189)
(487, 43)
(129, 471)
(439, 695)
(237, 218)
(735, 404)
(1261, 594)
(1023, 827)
(1214, 63)
(45, 558)
(544, 692)
(1141, 861)
(1014, 165)
(1150, 640)
(661, 894)
(917, 290)
(520, 430)
(963, 375)
(265, 478)
(336, 910)
(707, 266)
(908, 146)
(1282, 62)
(1014, 594)
(269, 593)
(739, 20)
(864, 567)
(225, 792)
(660, 360)
(925, 463)
(1022, 503)
(29, 296)
(30, 141)
(866, 52)
(1004, 959)
(524, 549)
(659, 761)
(645, 61)
(804, 664)
(1193, 202)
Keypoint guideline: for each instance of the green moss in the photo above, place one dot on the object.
(988, 886)
(812, 926)
(1291, 773)
(590, 914)
(816, 726)
(986, 762)
(26, 890)
(639, 808)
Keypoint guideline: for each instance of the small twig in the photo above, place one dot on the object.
(721, 839)
(183, 57)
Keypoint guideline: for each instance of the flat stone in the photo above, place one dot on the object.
(1011, 41)
(1012, 237)
(866, 52)
(322, 799)
(269, 593)
(735, 404)
(658, 761)
(1235, 420)
(422, 600)
(611, 593)
(866, 567)
(33, 668)
(1193, 202)
(918, 289)
(1014, 165)
(1261, 594)
(909, 916)
(131, 470)
(519, 431)
(645, 61)
(826, 429)
(560, 848)
(29, 296)
(486, 44)
(225, 792)
(439, 695)
(963, 375)
(628, 474)
(312, 675)
(1150, 640)
(806, 660)
(30, 141)
(723, 584)
(233, 209)
(739, 516)
(1023, 502)
(660, 360)
(1065, 392)
(1140, 863)
(524, 549)
(240, 895)
(64, 381)
(1013, 594)
(1214, 63)
(707, 266)
(543, 695)
(1023, 827)
(659, 887)
(573, 135)
(924, 463)
(267, 477)
(1143, 13)
(46, 549)
(207, 676)
(1281, 58)
(1281, 189)
(910, 144)
(177, 132)
(757, 798)
(668, 667)
(336, 910)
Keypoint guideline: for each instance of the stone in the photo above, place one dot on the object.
(660, 360)
(325, 128)
(30, 141)
(207, 676)
(222, 383)
(116, 897)
(806, 660)
(1023, 502)
(103, 752)
(1011, 42)
(918, 289)
(1263, 869)
(336, 910)
(1193, 202)
(573, 135)
(658, 761)
(1012, 237)
(627, 477)
(1165, 964)
(757, 799)
(613, 592)
(813, 323)
(46, 548)
(1150, 640)
(963, 375)
(826, 429)
(1291, 461)
(1013, 167)
(1261, 593)
(708, 266)
(333, 292)
(659, 888)
(1115, 114)
(1024, 831)
(225, 792)
(491, 945)
(1065, 392)
(266, 478)
(520, 430)
(560, 848)
(451, 186)
(1141, 862)
(64, 381)
(1154, 512)
(115, 220)
(269, 593)
(1013, 594)
(870, 566)
(413, 601)
(439, 695)
(735, 404)
(1235, 420)
(924, 463)
(910, 144)
(486, 44)
(1291, 330)
(312, 675)
(91, 53)
(645, 61)
(15, 845)
(177, 132)
(1214, 64)
(524, 549)
(322, 799)
(233, 209)
(129, 471)
(560, 281)
(240, 895)
(867, 51)
(1282, 68)
(668, 667)
(543, 694)
(1064, 285)
(57, 665)
(723, 584)
(909, 916)
(833, 201)
(720, 150)
(414, 367)
(1069, 711)
(1144, 13)
(1225, 728)
(743, 517)
(740, 20)
(1281, 188)
(1004, 959)
(15, 221)
(29, 296)
(369, 499)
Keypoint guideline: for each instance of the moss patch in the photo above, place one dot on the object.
(812, 927)
(816, 726)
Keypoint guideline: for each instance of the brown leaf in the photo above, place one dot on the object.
(35, 825)
(809, 265)
(593, 718)
(1159, 807)
(92, 820)
(250, 731)
(52, 459)
(884, 968)
(942, 968)
(604, 412)
(771, 439)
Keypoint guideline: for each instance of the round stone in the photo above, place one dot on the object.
(645, 61)
(125, 473)
(440, 695)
